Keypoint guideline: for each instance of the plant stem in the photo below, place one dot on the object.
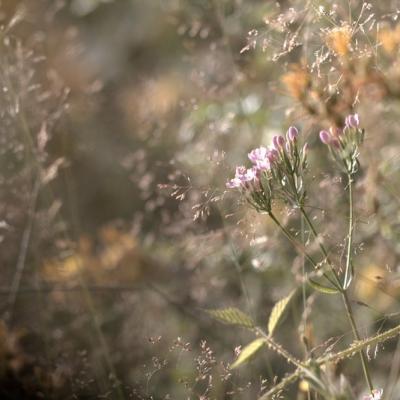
(299, 247)
(351, 228)
(306, 370)
(291, 239)
(349, 311)
(280, 350)
(356, 335)
(335, 357)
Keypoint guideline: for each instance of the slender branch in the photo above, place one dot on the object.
(286, 381)
(300, 248)
(349, 311)
(23, 251)
(353, 349)
(280, 350)
(302, 367)
(360, 345)
(351, 228)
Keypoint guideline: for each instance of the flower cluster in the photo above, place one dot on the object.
(276, 172)
(344, 143)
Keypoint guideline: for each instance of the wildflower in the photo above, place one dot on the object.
(272, 155)
(352, 121)
(278, 142)
(260, 157)
(241, 176)
(375, 395)
(276, 173)
(325, 137)
(344, 143)
(292, 133)
(258, 154)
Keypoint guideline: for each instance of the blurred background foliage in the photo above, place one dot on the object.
(120, 123)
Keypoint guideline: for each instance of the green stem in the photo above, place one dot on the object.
(349, 311)
(356, 335)
(351, 228)
(306, 371)
(333, 358)
(292, 240)
(300, 248)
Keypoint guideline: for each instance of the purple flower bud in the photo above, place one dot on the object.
(352, 121)
(272, 155)
(278, 142)
(325, 137)
(292, 133)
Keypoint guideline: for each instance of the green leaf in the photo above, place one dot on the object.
(232, 316)
(250, 350)
(321, 288)
(277, 312)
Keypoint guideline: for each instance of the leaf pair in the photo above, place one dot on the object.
(234, 316)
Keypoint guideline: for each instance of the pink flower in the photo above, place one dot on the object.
(239, 179)
(325, 137)
(278, 142)
(263, 165)
(250, 175)
(352, 121)
(272, 155)
(233, 183)
(242, 177)
(240, 171)
(292, 133)
(258, 154)
(375, 395)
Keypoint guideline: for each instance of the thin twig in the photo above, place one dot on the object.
(23, 251)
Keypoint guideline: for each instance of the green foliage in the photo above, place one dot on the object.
(232, 316)
(248, 352)
(322, 288)
(277, 312)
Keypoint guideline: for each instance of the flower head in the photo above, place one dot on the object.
(258, 154)
(276, 173)
(325, 137)
(292, 133)
(344, 143)
(278, 142)
(352, 121)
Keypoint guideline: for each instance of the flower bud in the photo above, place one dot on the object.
(335, 132)
(325, 137)
(278, 142)
(292, 133)
(272, 155)
(352, 121)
